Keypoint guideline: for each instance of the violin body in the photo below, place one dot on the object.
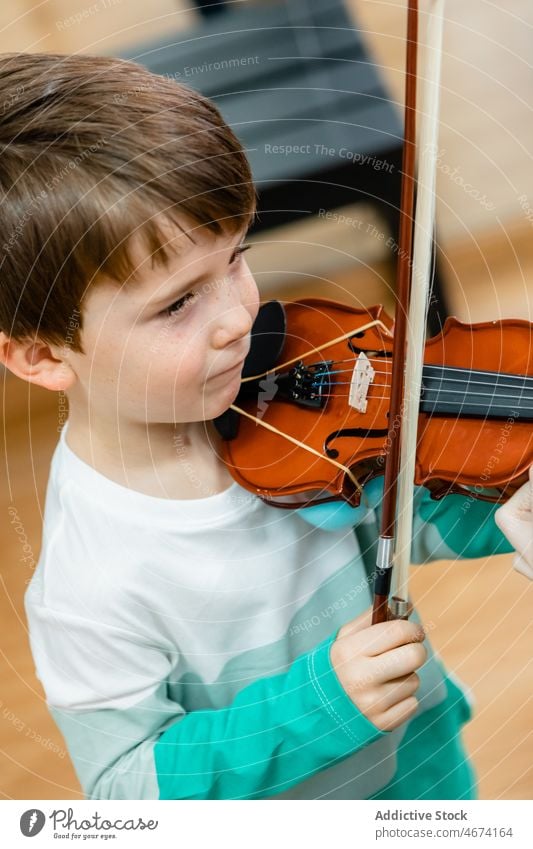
(475, 431)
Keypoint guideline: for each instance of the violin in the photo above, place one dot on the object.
(332, 397)
(311, 421)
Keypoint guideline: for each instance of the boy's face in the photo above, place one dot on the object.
(169, 348)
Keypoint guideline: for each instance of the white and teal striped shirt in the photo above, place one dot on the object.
(183, 646)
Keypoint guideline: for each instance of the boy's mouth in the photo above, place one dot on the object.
(238, 365)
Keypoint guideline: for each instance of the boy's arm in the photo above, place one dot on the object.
(107, 691)
(455, 527)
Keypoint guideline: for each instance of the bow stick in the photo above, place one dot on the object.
(413, 287)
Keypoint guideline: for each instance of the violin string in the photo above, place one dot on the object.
(439, 390)
(522, 384)
(489, 408)
(438, 400)
(523, 378)
(477, 371)
(507, 385)
(344, 371)
(385, 360)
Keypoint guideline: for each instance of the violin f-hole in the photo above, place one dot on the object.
(353, 432)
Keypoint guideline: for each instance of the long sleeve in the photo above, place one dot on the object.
(108, 693)
(278, 731)
(456, 526)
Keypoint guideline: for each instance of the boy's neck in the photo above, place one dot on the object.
(178, 461)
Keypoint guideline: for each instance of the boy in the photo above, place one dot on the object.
(192, 642)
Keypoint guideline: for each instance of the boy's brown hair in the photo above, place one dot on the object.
(94, 150)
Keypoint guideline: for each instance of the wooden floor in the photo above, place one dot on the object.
(479, 612)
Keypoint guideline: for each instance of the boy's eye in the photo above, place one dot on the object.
(239, 251)
(178, 305)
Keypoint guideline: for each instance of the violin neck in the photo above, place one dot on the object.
(453, 391)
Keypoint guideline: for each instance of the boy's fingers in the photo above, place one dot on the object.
(396, 715)
(396, 691)
(515, 520)
(517, 513)
(389, 635)
(397, 663)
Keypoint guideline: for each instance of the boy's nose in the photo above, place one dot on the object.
(234, 324)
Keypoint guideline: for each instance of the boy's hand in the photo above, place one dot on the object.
(376, 667)
(515, 519)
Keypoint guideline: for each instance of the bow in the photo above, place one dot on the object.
(413, 288)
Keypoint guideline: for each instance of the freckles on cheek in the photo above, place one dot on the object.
(169, 356)
(171, 370)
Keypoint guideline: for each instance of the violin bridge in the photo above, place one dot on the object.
(362, 376)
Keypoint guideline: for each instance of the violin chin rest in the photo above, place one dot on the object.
(227, 424)
(268, 338)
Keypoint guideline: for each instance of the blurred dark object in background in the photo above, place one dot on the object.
(297, 84)
(208, 8)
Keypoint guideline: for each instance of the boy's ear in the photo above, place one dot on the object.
(37, 362)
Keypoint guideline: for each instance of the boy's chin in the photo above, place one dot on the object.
(209, 406)
(216, 409)
(219, 403)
